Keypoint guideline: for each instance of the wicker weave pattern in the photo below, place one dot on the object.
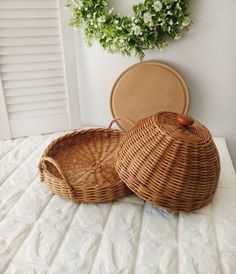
(175, 168)
(79, 166)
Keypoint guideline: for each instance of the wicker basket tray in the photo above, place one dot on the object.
(171, 161)
(79, 166)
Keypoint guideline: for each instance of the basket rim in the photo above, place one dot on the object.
(74, 133)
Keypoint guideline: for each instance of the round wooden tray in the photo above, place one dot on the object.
(147, 88)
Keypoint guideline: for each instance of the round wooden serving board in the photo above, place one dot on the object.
(147, 88)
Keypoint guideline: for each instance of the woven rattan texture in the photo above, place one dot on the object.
(172, 167)
(79, 166)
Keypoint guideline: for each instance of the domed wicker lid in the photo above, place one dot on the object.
(169, 160)
(182, 127)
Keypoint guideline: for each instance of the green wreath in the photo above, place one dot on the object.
(153, 24)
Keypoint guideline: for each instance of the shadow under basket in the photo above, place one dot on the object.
(79, 166)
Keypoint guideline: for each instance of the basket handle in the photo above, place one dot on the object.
(56, 165)
(120, 118)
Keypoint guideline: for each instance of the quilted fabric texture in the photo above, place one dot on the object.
(42, 233)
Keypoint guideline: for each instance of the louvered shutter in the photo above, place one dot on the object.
(39, 96)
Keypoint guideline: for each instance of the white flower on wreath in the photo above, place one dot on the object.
(186, 21)
(101, 19)
(147, 17)
(137, 30)
(177, 37)
(157, 6)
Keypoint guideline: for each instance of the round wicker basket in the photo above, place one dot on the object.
(171, 161)
(79, 166)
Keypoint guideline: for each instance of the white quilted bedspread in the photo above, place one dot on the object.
(42, 233)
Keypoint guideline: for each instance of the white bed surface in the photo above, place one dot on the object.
(42, 233)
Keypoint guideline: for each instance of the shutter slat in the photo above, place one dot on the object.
(37, 66)
(30, 50)
(36, 106)
(6, 23)
(27, 4)
(35, 98)
(29, 32)
(36, 90)
(28, 13)
(32, 75)
(22, 59)
(37, 113)
(34, 83)
(29, 41)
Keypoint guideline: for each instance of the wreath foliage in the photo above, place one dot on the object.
(153, 24)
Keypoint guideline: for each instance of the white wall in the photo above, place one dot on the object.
(206, 57)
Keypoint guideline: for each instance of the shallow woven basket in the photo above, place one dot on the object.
(171, 161)
(79, 166)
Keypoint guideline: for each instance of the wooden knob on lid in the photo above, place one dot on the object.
(184, 120)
